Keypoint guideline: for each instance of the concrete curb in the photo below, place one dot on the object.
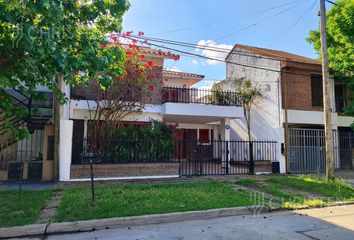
(119, 222)
(99, 224)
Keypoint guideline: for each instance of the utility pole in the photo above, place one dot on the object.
(326, 99)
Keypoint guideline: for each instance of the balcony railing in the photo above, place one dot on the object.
(176, 95)
(201, 96)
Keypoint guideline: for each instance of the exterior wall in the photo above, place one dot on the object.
(178, 82)
(345, 121)
(195, 126)
(298, 89)
(125, 170)
(82, 109)
(266, 115)
(48, 164)
(263, 167)
(201, 110)
(309, 117)
(66, 134)
(3, 175)
(90, 93)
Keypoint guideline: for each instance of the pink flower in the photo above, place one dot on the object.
(151, 87)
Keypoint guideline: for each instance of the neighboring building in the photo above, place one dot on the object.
(292, 95)
(31, 158)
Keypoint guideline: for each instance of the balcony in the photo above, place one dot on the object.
(175, 105)
(191, 105)
(199, 96)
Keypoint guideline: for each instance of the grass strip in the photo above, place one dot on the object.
(139, 199)
(20, 209)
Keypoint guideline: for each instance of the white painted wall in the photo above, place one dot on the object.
(65, 145)
(179, 82)
(201, 110)
(64, 110)
(345, 121)
(79, 109)
(195, 126)
(266, 115)
(310, 117)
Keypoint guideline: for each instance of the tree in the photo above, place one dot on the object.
(50, 43)
(247, 95)
(340, 37)
(123, 97)
(340, 41)
(45, 42)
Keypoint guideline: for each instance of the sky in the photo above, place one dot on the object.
(276, 24)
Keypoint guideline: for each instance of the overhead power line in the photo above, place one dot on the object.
(294, 23)
(225, 20)
(216, 59)
(206, 47)
(334, 3)
(258, 22)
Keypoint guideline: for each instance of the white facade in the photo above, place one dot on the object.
(184, 115)
(268, 115)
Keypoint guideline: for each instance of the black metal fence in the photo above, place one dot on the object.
(14, 153)
(203, 96)
(127, 151)
(217, 157)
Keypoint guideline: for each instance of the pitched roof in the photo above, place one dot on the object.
(169, 73)
(148, 50)
(159, 52)
(281, 55)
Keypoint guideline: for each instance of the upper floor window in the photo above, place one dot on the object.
(340, 97)
(316, 90)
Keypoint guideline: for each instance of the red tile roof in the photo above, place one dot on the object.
(167, 73)
(160, 53)
(147, 50)
(281, 55)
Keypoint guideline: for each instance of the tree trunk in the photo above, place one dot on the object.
(250, 145)
(57, 115)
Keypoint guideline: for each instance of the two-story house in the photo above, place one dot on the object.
(201, 120)
(196, 114)
(291, 108)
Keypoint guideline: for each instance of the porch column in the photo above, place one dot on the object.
(85, 128)
(65, 147)
(225, 129)
(225, 136)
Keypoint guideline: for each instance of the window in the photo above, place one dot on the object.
(203, 135)
(339, 91)
(316, 90)
(50, 148)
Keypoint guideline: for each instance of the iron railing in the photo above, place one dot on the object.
(214, 157)
(174, 95)
(307, 150)
(201, 96)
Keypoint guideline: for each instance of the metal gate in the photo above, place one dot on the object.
(219, 157)
(307, 152)
(22, 157)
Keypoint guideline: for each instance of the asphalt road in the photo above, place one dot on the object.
(326, 223)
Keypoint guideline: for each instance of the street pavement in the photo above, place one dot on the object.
(325, 223)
